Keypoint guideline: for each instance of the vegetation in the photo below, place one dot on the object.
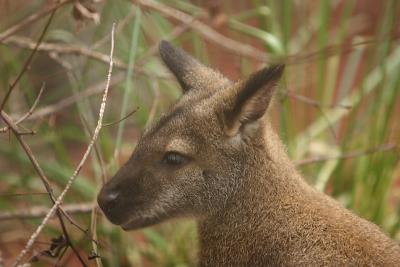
(335, 110)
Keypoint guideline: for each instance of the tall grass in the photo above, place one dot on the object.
(331, 68)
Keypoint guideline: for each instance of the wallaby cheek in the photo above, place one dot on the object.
(139, 190)
(214, 192)
(187, 193)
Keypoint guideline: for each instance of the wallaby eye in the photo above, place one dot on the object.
(174, 158)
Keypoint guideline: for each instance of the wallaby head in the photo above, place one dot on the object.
(191, 162)
(214, 156)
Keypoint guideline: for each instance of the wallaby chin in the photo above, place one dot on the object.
(138, 224)
(215, 157)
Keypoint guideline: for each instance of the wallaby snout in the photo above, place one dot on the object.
(124, 195)
(111, 200)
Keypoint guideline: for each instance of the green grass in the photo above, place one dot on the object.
(365, 77)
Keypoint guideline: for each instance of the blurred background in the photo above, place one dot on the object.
(337, 108)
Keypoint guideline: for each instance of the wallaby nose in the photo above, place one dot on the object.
(107, 199)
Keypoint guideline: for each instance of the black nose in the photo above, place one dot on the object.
(108, 199)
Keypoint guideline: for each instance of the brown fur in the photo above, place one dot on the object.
(230, 171)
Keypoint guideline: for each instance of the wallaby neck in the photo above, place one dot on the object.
(257, 208)
(276, 219)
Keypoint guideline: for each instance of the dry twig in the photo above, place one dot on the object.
(29, 20)
(62, 104)
(121, 119)
(248, 50)
(97, 88)
(41, 211)
(348, 155)
(207, 32)
(176, 32)
(58, 202)
(27, 43)
(54, 49)
(26, 115)
(311, 101)
(318, 106)
(42, 176)
(28, 61)
(25, 146)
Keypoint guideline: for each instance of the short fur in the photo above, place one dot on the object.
(234, 177)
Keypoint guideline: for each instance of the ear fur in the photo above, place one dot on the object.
(190, 73)
(251, 98)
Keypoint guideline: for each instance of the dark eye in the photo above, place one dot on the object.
(174, 158)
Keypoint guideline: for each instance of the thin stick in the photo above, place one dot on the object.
(121, 25)
(27, 43)
(28, 151)
(42, 176)
(68, 239)
(207, 32)
(154, 105)
(318, 106)
(353, 154)
(53, 49)
(29, 20)
(176, 32)
(121, 119)
(312, 102)
(29, 113)
(24, 194)
(34, 236)
(28, 61)
(331, 50)
(97, 150)
(41, 211)
(64, 103)
(95, 89)
(242, 49)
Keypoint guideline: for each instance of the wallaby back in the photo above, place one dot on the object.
(215, 157)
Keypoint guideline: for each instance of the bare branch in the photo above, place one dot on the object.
(27, 149)
(62, 104)
(121, 119)
(207, 32)
(311, 101)
(60, 198)
(248, 50)
(97, 150)
(156, 100)
(29, 113)
(41, 211)
(42, 176)
(177, 31)
(27, 43)
(353, 154)
(29, 20)
(97, 88)
(28, 61)
(318, 106)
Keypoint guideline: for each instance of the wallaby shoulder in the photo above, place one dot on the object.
(282, 221)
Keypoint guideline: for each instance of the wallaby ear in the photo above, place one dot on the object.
(190, 73)
(251, 98)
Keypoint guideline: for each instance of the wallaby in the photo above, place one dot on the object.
(215, 157)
